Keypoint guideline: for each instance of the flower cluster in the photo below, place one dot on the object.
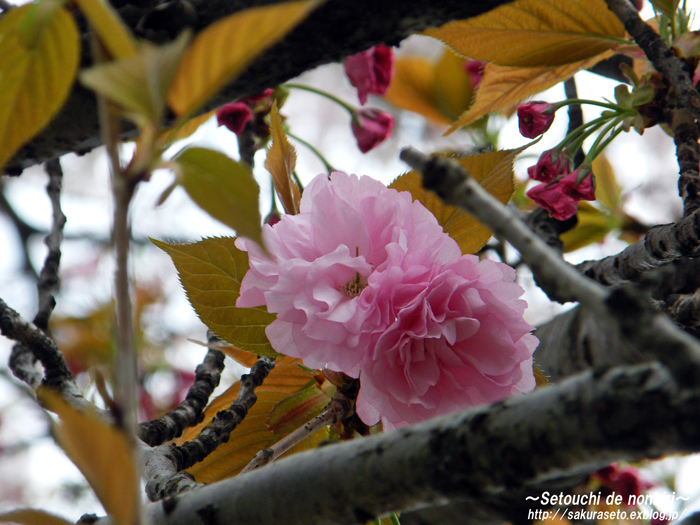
(561, 191)
(365, 282)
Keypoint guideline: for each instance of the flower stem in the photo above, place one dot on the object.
(335, 99)
(329, 167)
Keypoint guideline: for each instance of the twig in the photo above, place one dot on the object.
(24, 230)
(624, 310)
(575, 116)
(190, 411)
(48, 279)
(163, 465)
(340, 406)
(682, 99)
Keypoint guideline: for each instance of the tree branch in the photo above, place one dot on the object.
(333, 31)
(683, 99)
(572, 428)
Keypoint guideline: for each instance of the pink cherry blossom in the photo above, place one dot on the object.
(365, 282)
(458, 339)
(234, 116)
(371, 127)
(549, 166)
(328, 259)
(552, 198)
(534, 118)
(371, 71)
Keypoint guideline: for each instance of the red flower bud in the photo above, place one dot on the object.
(371, 71)
(371, 127)
(579, 191)
(552, 198)
(534, 118)
(234, 116)
(549, 166)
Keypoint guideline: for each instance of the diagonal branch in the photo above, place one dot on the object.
(191, 410)
(624, 310)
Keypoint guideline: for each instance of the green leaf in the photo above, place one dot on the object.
(140, 82)
(222, 187)
(96, 448)
(503, 86)
(297, 409)
(535, 33)
(112, 32)
(225, 48)
(211, 272)
(38, 63)
(493, 170)
(32, 517)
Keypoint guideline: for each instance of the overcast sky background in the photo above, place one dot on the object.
(37, 475)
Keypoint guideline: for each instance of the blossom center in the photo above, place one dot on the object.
(353, 288)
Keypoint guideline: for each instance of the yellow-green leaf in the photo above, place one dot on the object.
(493, 170)
(534, 33)
(296, 410)
(280, 161)
(108, 25)
(411, 88)
(36, 80)
(607, 190)
(593, 225)
(452, 88)
(32, 517)
(225, 48)
(252, 435)
(502, 86)
(222, 187)
(211, 272)
(140, 82)
(96, 447)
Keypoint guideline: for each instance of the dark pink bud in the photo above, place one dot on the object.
(549, 166)
(258, 97)
(371, 71)
(234, 116)
(371, 127)
(552, 198)
(534, 118)
(475, 70)
(579, 191)
(273, 218)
